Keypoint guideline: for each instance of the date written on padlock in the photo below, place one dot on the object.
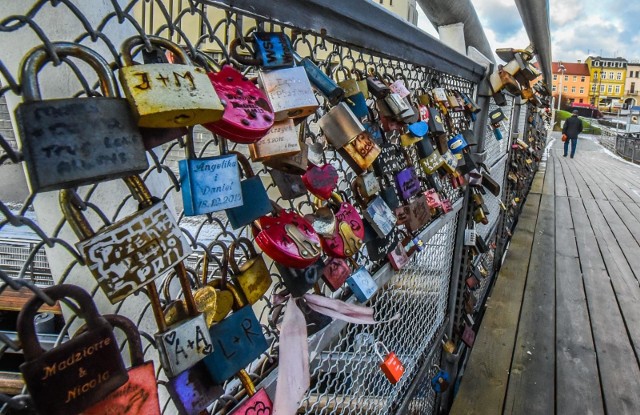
(391, 365)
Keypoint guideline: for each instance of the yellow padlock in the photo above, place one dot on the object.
(165, 95)
(253, 276)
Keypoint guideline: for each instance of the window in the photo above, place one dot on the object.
(593, 88)
(555, 77)
(602, 88)
(573, 89)
(566, 78)
(581, 100)
(595, 76)
(565, 89)
(633, 88)
(581, 91)
(617, 89)
(575, 78)
(582, 79)
(596, 63)
(603, 75)
(554, 88)
(619, 76)
(611, 75)
(610, 89)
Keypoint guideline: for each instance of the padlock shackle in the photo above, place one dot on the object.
(127, 48)
(156, 307)
(235, 269)
(25, 325)
(243, 164)
(69, 204)
(39, 56)
(139, 190)
(166, 284)
(376, 349)
(223, 265)
(243, 59)
(357, 193)
(247, 383)
(130, 329)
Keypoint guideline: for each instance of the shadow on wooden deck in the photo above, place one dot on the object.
(561, 334)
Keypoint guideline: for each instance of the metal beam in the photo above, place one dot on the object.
(363, 25)
(535, 16)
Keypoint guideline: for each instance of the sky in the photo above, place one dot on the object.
(579, 28)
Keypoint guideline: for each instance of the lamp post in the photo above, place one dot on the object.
(562, 70)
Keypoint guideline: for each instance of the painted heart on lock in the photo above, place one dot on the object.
(287, 238)
(348, 235)
(321, 181)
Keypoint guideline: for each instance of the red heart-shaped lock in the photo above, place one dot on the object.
(321, 181)
(248, 115)
(287, 238)
(349, 233)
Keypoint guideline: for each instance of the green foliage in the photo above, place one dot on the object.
(586, 124)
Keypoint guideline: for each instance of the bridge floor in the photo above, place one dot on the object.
(561, 333)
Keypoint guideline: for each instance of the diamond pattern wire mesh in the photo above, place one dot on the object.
(419, 292)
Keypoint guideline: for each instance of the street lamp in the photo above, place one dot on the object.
(561, 69)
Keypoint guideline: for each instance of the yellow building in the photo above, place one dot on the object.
(608, 77)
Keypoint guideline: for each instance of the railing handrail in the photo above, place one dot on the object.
(365, 25)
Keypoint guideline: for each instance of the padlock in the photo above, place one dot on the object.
(272, 50)
(418, 128)
(436, 123)
(281, 140)
(335, 273)
(419, 214)
(75, 141)
(347, 237)
(440, 382)
(398, 257)
(296, 163)
(361, 79)
(204, 297)
(321, 81)
(130, 253)
(140, 394)
(238, 340)
(166, 94)
(290, 186)
(430, 159)
(299, 281)
(470, 105)
(496, 116)
(399, 88)
(450, 162)
(470, 235)
(433, 199)
(258, 402)
(457, 144)
(193, 390)
(468, 335)
(376, 211)
(399, 107)
(248, 116)
(448, 346)
(389, 195)
(362, 284)
(446, 205)
(407, 181)
(185, 343)
(368, 184)
(93, 358)
(376, 86)
(209, 184)
(388, 161)
(391, 365)
(353, 97)
(287, 238)
(289, 92)
(379, 247)
(252, 277)
(223, 297)
(255, 201)
(321, 181)
(440, 94)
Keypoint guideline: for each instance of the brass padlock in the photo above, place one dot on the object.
(281, 140)
(165, 94)
(132, 252)
(253, 276)
(75, 141)
(224, 297)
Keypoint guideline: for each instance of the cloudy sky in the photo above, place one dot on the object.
(581, 28)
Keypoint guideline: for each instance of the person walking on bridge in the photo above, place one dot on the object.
(572, 127)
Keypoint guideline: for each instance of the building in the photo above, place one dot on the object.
(406, 9)
(608, 77)
(632, 85)
(573, 79)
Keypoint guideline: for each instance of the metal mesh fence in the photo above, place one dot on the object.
(345, 374)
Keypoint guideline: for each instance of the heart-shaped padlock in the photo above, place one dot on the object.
(287, 238)
(349, 232)
(248, 115)
(321, 181)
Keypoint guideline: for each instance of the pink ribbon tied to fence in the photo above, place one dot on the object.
(293, 373)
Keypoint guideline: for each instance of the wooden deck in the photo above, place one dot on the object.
(561, 334)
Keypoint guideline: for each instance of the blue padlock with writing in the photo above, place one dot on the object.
(237, 340)
(255, 200)
(209, 184)
(362, 284)
(457, 143)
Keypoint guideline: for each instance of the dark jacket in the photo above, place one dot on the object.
(572, 127)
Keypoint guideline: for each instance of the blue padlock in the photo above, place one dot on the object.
(418, 129)
(457, 143)
(354, 97)
(362, 284)
(497, 133)
(209, 184)
(237, 341)
(256, 202)
(321, 81)
(274, 49)
(440, 382)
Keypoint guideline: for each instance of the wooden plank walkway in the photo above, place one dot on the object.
(561, 334)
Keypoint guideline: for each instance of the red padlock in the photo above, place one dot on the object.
(391, 366)
(335, 273)
(287, 238)
(433, 199)
(349, 231)
(321, 181)
(248, 115)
